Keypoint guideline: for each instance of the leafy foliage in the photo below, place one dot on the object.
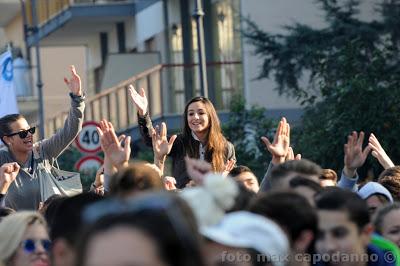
(245, 129)
(353, 72)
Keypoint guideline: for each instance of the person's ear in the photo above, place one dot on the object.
(7, 140)
(63, 253)
(303, 241)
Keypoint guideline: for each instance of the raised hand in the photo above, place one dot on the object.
(379, 153)
(161, 146)
(169, 183)
(140, 100)
(74, 83)
(354, 155)
(111, 145)
(290, 155)
(8, 173)
(228, 167)
(197, 169)
(280, 146)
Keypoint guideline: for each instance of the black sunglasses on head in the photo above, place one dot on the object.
(23, 133)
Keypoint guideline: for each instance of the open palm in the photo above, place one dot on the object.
(140, 100)
(161, 145)
(74, 83)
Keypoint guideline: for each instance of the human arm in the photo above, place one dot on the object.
(51, 148)
(379, 153)
(8, 173)
(280, 145)
(117, 154)
(354, 157)
(161, 145)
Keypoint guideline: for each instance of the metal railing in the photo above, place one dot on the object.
(47, 9)
(114, 104)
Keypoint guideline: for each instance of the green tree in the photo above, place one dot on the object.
(353, 71)
(245, 129)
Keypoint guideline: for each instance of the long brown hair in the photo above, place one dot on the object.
(216, 142)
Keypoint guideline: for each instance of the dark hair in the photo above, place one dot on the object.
(67, 219)
(238, 170)
(136, 177)
(5, 211)
(381, 214)
(336, 199)
(243, 199)
(288, 209)
(303, 167)
(390, 179)
(176, 247)
(216, 142)
(50, 208)
(5, 123)
(299, 181)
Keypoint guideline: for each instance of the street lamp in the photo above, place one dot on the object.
(34, 29)
(198, 15)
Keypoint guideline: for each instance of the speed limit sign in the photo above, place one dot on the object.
(88, 139)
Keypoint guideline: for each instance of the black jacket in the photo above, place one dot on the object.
(178, 151)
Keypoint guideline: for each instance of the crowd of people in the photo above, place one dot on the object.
(208, 211)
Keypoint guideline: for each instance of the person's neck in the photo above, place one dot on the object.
(20, 157)
(202, 136)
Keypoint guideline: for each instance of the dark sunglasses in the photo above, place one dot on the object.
(24, 133)
(29, 245)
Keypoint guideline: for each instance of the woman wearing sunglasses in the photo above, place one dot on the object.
(24, 240)
(17, 135)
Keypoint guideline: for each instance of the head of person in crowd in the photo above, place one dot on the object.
(390, 179)
(201, 119)
(344, 227)
(293, 213)
(149, 229)
(375, 195)
(46, 203)
(138, 177)
(16, 133)
(65, 225)
(244, 238)
(24, 240)
(212, 199)
(306, 187)
(282, 174)
(244, 175)
(5, 211)
(50, 210)
(243, 198)
(387, 222)
(328, 178)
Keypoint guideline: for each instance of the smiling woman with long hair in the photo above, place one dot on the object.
(201, 138)
(17, 135)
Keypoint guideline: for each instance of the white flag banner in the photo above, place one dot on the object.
(8, 99)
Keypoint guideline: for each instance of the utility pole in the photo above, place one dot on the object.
(39, 84)
(198, 15)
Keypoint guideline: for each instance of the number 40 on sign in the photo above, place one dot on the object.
(88, 140)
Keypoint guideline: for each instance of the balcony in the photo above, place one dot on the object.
(70, 22)
(114, 104)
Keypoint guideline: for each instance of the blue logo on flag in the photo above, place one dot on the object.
(7, 71)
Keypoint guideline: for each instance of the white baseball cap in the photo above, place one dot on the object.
(243, 229)
(372, 188)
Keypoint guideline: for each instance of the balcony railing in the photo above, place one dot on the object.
(114, 104)
(47, 9)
